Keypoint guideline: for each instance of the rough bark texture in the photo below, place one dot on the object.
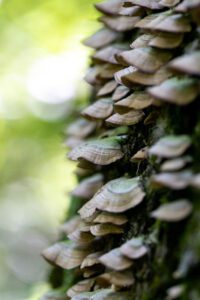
(159, 32)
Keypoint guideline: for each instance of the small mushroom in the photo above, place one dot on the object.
(175, 292)
(170, 146)
(71, 225)
(105, 229)
(151, 4)
(101, 152)
(81, 287)
(174, 23)
(121, 23)
(188, 63)
(107, 55)
(131, 11)
(142, 41)
(81, 128)
(187, 5)
(119, 279)
(120, 92)
(110, 7)
(107, 89)
(91, 260)
(101, 38)
(175, 181)
(173, 212)
(99, 110)
(107, 71)
(81, 237)
(115, 260)
(119, 195)
(106, 217)
(175, 164)
(134, 248)
(145, 59)
(177, 91)
(140, 155)
(130, 118)
(88, 187)
(169, 3)
(165, 40)
(137, 101)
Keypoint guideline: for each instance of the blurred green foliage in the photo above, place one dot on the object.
(34, 173)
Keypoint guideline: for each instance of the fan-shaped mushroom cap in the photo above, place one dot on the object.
(105, 229)
(131, 76)
(119, 195)
(120, 92)
(165, 40)
(101, 38)
(100, 109)
(71, 225)
(175, 292)
(146, 59)
(151, 4)
(89, 186)
(91, 76)
(140, 155)
(101, 152)
(137, 101)
(175, 164)
(88, 211)
(187, 5)
(174, 211)
(81, 128)
(134, 248)
(131, 11)
(91, 260)
(106, 217)
(81, 237)
(169, 3)
(81, 287)
(174, 23)
(188, 63)
(107, 71)
(107, 54)
(170, 146)
(115, 260)
(103, 294)
(121, 23)
(130, 118)
(66, 256)
(120, 279)
(175, 181)
(178, 91)
(110, 7)
(107, 89)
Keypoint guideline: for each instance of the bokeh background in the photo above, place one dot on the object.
(42, 63)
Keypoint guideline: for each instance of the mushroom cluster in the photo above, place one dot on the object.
(136, 147)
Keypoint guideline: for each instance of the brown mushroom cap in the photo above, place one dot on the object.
(137, 101)
(151, 4)
(140, 155)
(110, 7)
(105, 229)
(121, 23)
(91, 260)
(99, 110)
(89, 186)
(188, 63)
(173, 212)
(132, 117)
(106, 217)
(175, 181)
(120, 92)
(107, 89)
(101, 38)
(81, 128)
(115, 260)
(119, 279)
(81, 287)
(71, 225)
(175, 164)
(134, 248)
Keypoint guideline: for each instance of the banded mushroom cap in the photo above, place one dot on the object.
(101, 38)
(72, 142)
(140, 155)
(107, 89)
(107, 71)
(165, 40)
(107, 55)
(146, 59)
(119, 279)
(188, 63)
(175, 164)
(103, 294)
(110, 7)
(175, 181)
(166, 22)
(81, 287)
(137, 101)
(101, 152)
(106, 217)
(88, 211)
(120, 92)
(131, 76)
(131, 11)
(119, 195)
(151, 4)
(99, 110)
(170, 146)
(105, 229)
(177, 91)
(142, 41)
(71, 225)
(174, 211)
(91, 76)
(81, 237)
(81, 128)
(121, 23)
(134, 248)
(66, 256)
(115, 260)
(91, 260)
(132, 117)
(89, 186)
